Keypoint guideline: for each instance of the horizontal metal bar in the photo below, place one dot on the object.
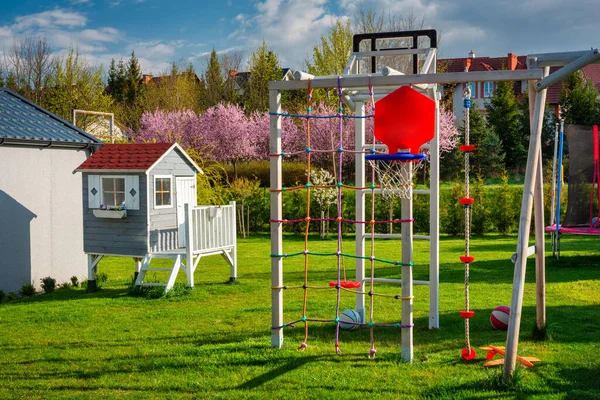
(157, 269)
(395, 52)
(421, 191)
(555, 59)
(530, 252)
(577, 64)
(394, 281)
(350, 81)
(395, 236)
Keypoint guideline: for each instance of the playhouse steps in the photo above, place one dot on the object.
(174, 270)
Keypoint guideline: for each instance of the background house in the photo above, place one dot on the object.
(481, 92)
(41, 231)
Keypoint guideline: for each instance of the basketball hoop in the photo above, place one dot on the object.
(393, 173)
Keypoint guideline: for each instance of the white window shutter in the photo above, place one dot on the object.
(94, 191)
(132, 192)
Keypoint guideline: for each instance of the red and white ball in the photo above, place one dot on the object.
(499, 317)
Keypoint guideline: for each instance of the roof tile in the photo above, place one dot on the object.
(114, 157)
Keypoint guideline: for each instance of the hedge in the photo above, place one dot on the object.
(496, 210)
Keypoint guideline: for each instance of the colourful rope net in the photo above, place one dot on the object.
(340, 284)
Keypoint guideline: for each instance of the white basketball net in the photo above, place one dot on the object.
(394, 178)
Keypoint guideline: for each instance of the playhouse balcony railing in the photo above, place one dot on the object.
(210, 228)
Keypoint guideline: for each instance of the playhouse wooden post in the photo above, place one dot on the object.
(189, 244)
(516, 305)
(276, 228)
(540, 233)
(138, 266)
(407, 273)
(233, 272)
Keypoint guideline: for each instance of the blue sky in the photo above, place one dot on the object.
(164, 31)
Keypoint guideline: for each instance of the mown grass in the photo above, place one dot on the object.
(214, 341)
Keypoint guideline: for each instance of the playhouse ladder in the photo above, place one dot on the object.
(174, 270)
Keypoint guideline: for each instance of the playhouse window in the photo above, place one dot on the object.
(113, 191)
(162, 190)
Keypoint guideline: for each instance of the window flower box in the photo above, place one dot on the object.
(113, 214)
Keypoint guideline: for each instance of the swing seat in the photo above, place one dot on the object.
(467, 314)
(467, 259)
(467, 201)
(467, 148)
(346, 284)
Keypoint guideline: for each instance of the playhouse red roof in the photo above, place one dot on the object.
(115, 157)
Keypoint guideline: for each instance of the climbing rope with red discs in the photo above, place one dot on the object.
(468, 353)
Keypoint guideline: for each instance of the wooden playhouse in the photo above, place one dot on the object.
(139, 201)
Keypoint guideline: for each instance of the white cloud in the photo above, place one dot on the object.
(49, 19)
(290, 27)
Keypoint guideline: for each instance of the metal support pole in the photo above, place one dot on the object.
(516, 305)
(407, 274)
(359, 181)
(434, 218)
(540, 233)
(276, 227)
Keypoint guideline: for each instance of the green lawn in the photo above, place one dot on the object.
(214, 342)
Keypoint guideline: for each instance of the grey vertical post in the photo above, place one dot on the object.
(276, 228)
(359, 181)
(540, 233)
(516, 305)
(407, 272)
(434, 217)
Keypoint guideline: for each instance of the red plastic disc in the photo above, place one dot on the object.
(467, 148)
(466, 355)
(467, 259)
(467, 201)
(467, 314)
(346, 284)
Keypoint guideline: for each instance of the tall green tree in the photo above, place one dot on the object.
(177, 90)
(579, 100)
(504, 116)
(213, 80)
(117, 77)
(76, 85)
(133, 77)
(331, 55)
(264, 67)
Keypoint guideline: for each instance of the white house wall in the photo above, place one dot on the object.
(41, 231)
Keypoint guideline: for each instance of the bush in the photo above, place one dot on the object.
(11, 296)
(65, 285)
(74, 281)
(27, 290)
(2, 296)
(48, 284)
(101, 277)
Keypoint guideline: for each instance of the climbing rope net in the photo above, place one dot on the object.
(394, 181)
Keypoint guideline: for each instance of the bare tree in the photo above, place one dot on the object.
(230, 65)
(31, 64)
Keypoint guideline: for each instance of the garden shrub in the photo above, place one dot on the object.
(503, 207)
(101, 277)
(74, 281)
(11, 296)
(2, 296)
(27, 290)
(48, 284)
(479, 211)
